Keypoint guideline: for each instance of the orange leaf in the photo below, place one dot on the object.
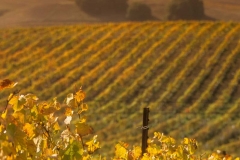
(80, 95)
(6, 83)
(68, 111)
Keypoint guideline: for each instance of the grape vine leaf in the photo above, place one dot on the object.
(6, 83)
(4, 114)
(121, 152)
(29, 130)
(73, 151)
(79, 96)
(46, 108)
(68, 111)
(31, 147)
(84, 107)
(83, 129)
(93, 145)
(19, 116)
(68, 120)
(17, 102)
(136, 152)
(71, 101)
(30, 100)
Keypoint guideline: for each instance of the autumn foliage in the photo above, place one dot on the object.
(30, 130)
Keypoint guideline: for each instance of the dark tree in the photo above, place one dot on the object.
(103, 7)
(185, 10)
(139, 12)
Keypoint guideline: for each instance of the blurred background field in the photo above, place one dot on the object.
(60, 12)
(186, 72)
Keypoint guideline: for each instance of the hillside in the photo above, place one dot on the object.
(64, 12)
(187, 73)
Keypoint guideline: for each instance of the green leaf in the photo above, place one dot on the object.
(73, 151)
(7, 148)
(31, 147)
(11, 129)
(15, 134)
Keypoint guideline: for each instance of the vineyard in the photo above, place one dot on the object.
(187, 73)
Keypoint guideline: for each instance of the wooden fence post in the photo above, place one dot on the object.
(145, 129)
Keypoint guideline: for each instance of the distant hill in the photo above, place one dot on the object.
(187, 73)
(60, 12)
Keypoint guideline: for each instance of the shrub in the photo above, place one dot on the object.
(103, 7)
(185, 10)
(139, 12)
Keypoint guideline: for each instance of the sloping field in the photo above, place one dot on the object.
(188, 73)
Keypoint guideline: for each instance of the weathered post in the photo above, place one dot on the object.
(145, 129)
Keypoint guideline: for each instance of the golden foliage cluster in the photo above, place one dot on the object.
(30, 130)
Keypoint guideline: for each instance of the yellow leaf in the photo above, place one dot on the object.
(136, 152)
(87, 157)
(84, 107)
(123, 144)
(56, 126)
(56, 104)
(93, 145)
(17, 102)
(6, 83)
(11, 157)
(46, 108)
(31, 100)
(152, 150)
(83, 129)
(185, 141)
(120, 152)
(2, 128)
(48, 152)
(19, 116)
(146, 157)
(4, 114)
(83, 119)
(29, 130)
